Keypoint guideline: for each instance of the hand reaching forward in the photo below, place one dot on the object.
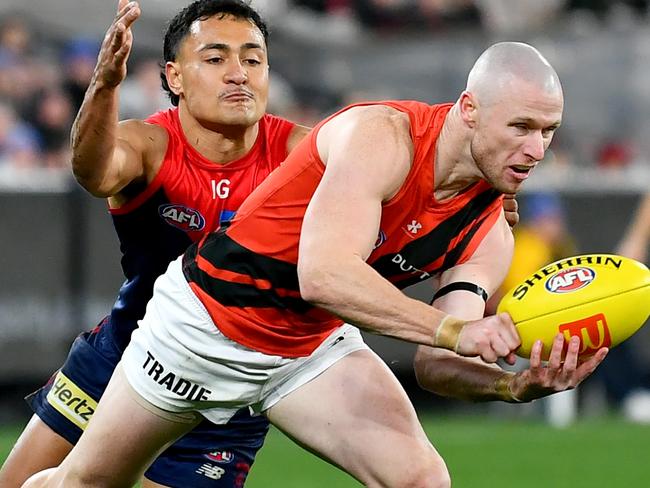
(541, 380)
(116, 47)
(511, 209)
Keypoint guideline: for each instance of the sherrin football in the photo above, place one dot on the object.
(601, 298)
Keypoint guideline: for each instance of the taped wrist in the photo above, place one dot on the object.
(502, 388)
(448, 333)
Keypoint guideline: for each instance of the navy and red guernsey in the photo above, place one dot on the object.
(246, 273)
(189, 197)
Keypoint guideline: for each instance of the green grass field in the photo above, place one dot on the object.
(480, 452)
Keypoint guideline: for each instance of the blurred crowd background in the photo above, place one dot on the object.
(326, 53)
(59, 257)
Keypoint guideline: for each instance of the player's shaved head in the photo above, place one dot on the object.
(503, 65)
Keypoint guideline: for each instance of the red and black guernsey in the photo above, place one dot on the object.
(189, 197)
(245, 274)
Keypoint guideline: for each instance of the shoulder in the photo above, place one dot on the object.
(377, 116)
(296, 135)
(373, 127)
(142, 132)
(147, 139)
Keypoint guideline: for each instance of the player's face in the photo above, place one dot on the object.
(223, 72)
(513, 134)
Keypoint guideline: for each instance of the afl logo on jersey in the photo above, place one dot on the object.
(185, 218)
(570, 279)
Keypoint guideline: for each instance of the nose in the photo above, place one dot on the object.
(535, 146)
(236, 73)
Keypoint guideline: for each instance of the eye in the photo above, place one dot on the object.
(252, 62)
(214, 60)
(520, 126)
(548, 132)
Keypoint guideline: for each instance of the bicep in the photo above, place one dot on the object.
(366, 162)
(134, 146)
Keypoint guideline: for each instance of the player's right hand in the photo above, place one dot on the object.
(490, 338)
(116, 47)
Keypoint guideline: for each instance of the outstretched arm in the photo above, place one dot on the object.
(106, 156)
(448, 374)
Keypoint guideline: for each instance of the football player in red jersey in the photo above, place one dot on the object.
(253, 314)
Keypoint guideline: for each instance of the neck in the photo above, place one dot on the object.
(218, 143)
(454, 168)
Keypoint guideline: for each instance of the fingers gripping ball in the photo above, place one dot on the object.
(601, 298)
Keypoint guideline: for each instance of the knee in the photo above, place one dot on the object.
(42, 479)
(55, 478)
(426, 469)
(422, 468)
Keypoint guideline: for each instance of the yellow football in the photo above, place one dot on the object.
(601, 298)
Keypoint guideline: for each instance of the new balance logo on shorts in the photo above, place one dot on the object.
(211, 471)
(173, 382)
(71, 401)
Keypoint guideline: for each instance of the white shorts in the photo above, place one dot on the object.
(179, 361)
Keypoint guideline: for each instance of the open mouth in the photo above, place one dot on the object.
(520, 172)
(522, 169)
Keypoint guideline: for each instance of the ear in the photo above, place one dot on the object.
(174, 77)
(468, 108)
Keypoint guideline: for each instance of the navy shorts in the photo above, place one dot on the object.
(210, 456)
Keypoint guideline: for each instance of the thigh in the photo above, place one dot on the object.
(121, 440)
(210, 456)
(357, 416)
(37, 448)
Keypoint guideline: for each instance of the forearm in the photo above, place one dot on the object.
(358, 294)
(94, 134)
(447, 374)
(640, 227)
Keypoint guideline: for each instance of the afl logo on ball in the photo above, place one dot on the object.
(570, 279)
(185, 218)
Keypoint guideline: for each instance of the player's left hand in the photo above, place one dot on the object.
(541, 380)
(511, 209)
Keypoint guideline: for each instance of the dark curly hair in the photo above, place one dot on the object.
(180, 25)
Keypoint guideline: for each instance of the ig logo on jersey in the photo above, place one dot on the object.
(185, 218)
(570, 279)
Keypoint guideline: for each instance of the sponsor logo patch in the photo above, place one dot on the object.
(569, 280)
(182, 217)
(71, 401)
(405, 267)
(593, 333)
(220, 456)
(172, 381)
